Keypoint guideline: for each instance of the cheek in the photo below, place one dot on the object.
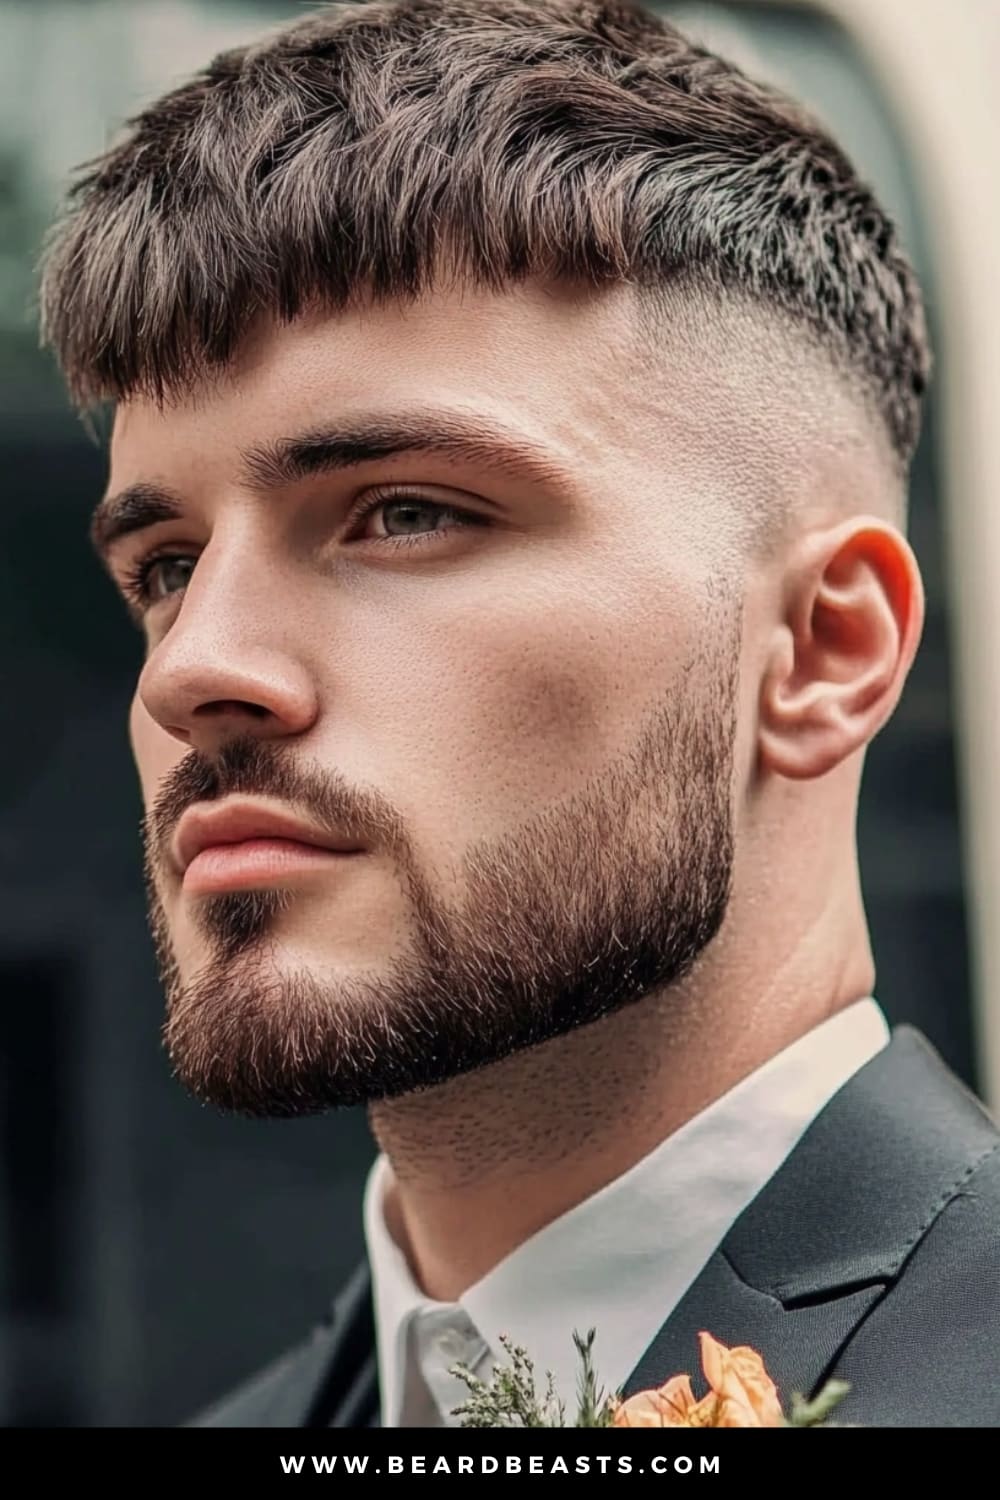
(519, 697)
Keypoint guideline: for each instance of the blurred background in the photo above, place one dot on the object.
(152, 1253)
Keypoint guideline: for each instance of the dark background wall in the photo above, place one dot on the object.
(151, 1251)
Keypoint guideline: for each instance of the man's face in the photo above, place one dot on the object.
(492, 682)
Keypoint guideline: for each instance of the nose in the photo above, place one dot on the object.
(227, 666)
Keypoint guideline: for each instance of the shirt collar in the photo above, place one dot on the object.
(621, 1260)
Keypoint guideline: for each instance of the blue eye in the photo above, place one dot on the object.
(157, 577)
(410, 519)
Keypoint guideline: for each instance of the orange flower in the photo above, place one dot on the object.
(741, 1394)
(670, 1406)
(745, 1393)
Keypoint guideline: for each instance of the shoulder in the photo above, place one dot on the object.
(327, 1378)
(274, 1396)
(926, 1355)
(879, 1241)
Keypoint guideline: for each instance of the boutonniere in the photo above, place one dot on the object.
(740, 1394)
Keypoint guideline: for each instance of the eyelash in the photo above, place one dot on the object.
(135, 580)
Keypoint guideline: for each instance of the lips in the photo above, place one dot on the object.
(208, 828)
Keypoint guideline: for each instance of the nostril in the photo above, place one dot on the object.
(226, 706)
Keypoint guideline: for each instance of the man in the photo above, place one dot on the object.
(512, 412)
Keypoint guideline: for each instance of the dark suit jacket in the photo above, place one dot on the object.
(872, 1255)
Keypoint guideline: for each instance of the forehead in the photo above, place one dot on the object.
(553, 363)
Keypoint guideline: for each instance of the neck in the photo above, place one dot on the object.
(483, 1162)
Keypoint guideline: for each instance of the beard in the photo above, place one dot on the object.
(597, 901)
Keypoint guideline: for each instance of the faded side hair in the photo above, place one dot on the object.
(368, 149)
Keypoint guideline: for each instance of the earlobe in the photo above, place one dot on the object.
(849, 629)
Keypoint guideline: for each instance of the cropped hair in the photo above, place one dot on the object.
(368, 149)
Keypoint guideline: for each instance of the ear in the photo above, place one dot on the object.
(851, 616)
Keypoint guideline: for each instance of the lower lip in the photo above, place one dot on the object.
(256, 863)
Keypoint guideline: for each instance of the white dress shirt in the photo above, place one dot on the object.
(620, 1261)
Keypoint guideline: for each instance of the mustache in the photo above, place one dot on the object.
(247, 766)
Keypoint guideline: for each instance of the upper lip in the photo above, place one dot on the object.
(232, 822)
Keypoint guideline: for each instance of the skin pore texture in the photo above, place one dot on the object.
(599, 739)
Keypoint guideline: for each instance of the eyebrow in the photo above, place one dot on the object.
(270, 466)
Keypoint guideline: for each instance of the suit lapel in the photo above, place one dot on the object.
(832, 1230)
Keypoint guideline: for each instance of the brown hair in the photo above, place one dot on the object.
(366, 147)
